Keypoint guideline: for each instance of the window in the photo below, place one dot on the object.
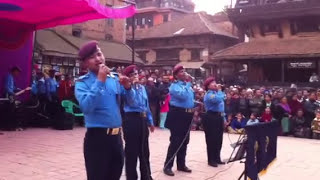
(65, 62)
(143, 21)
(110, 22)
(108, 37)
(72, 62)
(165, 18)
(76, 32)
(309, 24)
(271, 27)
(167, 54)
(195, 54)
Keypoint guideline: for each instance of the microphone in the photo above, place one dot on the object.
(187, 74)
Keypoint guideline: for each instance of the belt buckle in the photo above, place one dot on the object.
(144, 114)
(115, 131)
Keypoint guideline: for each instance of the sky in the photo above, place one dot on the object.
(210, 6)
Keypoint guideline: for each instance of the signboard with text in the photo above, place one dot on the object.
(302, 65)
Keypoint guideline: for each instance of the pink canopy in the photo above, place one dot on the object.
(19, 18)
(40, 14)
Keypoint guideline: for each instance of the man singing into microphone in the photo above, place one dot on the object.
(137, 119)
(98, 95)
(179, 120)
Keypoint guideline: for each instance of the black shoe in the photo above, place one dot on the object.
(221, 163)
(213, 164)
(168, 172)
(185, 169)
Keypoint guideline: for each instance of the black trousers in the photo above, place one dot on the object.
(136, 136)
(178, 121)
(103, 155)
(213, 129)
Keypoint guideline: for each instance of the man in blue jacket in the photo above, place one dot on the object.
(98, 95)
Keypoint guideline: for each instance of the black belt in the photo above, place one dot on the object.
(174, 108)
(108, 131)
(141, 114)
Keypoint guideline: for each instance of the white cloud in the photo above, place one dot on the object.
(211, 6)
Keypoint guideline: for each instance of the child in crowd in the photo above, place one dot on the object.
(316, 125)
(237, 124)
(267, 115)
(253, 120)
(164, 109)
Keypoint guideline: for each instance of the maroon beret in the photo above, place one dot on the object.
(177, 68)
(88, 50)
(208, 81)
(130, 69)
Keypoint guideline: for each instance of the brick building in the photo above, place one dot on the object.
(57, 48)
(154, 12)
(283, 42)
(190, 40)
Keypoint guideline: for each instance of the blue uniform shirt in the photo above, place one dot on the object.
(38, 86)
(214, 101)
(10, 87)
(136, 100)
(99, 101)
(51, 85)
(41, 86)
(182, 95)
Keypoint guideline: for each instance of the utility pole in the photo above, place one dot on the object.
(133, 19)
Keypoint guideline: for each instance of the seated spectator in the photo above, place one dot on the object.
(299, 126)
(315, 126)
(238, 124)
(253, 120)
(266, 115)
(228, 122)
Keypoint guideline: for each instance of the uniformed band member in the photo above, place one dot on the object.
(10, 89)
(179, 119)
(97, 93)
(136, 121)
(213, 122)
(51, 87)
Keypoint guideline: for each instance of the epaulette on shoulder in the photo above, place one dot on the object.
(82, 78)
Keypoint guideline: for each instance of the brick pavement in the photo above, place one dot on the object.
(46, 154)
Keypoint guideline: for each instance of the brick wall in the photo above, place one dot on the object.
(97, 29)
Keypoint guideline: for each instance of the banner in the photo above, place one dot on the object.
(261, 148)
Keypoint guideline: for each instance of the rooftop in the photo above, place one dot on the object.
(189, 24)
(286, 48)
(53, 43)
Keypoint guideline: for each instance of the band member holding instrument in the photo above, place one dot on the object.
(179, 120)
(136, 121)
(10, 119)
(10, 85)
(98, 95)
(213, 121)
